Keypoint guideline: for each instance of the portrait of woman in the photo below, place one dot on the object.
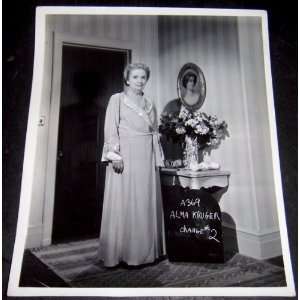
(132, 218)
(191, 86)
(191, 96)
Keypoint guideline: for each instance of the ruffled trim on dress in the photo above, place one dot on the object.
(143, 113)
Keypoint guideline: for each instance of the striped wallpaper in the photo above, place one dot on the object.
(235, 91)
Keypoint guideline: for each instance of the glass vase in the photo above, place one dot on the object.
(191, 153)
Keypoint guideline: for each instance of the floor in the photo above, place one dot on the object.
(73, 265)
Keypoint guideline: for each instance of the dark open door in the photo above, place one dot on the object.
(89, 77)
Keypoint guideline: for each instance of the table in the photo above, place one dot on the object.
(192, 215)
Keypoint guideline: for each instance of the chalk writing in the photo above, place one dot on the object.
(213, 234)
(193, 225)
(206, 231)
(205, 215)
(190, 202)
(175, 214)
(196, 230)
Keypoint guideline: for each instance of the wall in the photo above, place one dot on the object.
(229, 52)
(254, 95)
(35, 230)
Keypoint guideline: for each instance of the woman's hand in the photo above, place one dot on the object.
(118, 166)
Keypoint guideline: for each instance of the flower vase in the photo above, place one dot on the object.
(191, 153)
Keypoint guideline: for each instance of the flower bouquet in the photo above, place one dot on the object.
(195, 131)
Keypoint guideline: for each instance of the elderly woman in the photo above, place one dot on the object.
(132, 219)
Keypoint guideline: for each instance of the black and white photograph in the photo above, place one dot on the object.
(151, 162)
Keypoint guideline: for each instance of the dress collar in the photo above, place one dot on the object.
(142, 112)
(136, 108)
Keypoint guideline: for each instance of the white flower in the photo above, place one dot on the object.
(198, 117)
(214, 142)
(201, 129)
(198, 113)
(183, 114)
(214, 121)
(191, 122)
(180, 130)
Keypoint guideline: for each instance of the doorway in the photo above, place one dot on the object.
(90, 76)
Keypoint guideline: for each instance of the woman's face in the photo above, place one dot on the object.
(190, 83)
(137, 79)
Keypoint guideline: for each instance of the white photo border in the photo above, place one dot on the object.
(30, 152)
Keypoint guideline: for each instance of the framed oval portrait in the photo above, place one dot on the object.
(191, 86)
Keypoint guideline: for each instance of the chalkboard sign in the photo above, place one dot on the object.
(193, 225)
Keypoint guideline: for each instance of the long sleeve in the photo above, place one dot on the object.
(159, 155)
(111, 147)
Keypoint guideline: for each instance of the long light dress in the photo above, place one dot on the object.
(132, 229)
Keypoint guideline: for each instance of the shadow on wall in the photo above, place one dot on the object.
(171, 150)
(229, 236)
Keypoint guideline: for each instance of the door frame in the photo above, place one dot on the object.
(61, 39)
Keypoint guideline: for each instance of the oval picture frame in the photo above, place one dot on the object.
(190, 101)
